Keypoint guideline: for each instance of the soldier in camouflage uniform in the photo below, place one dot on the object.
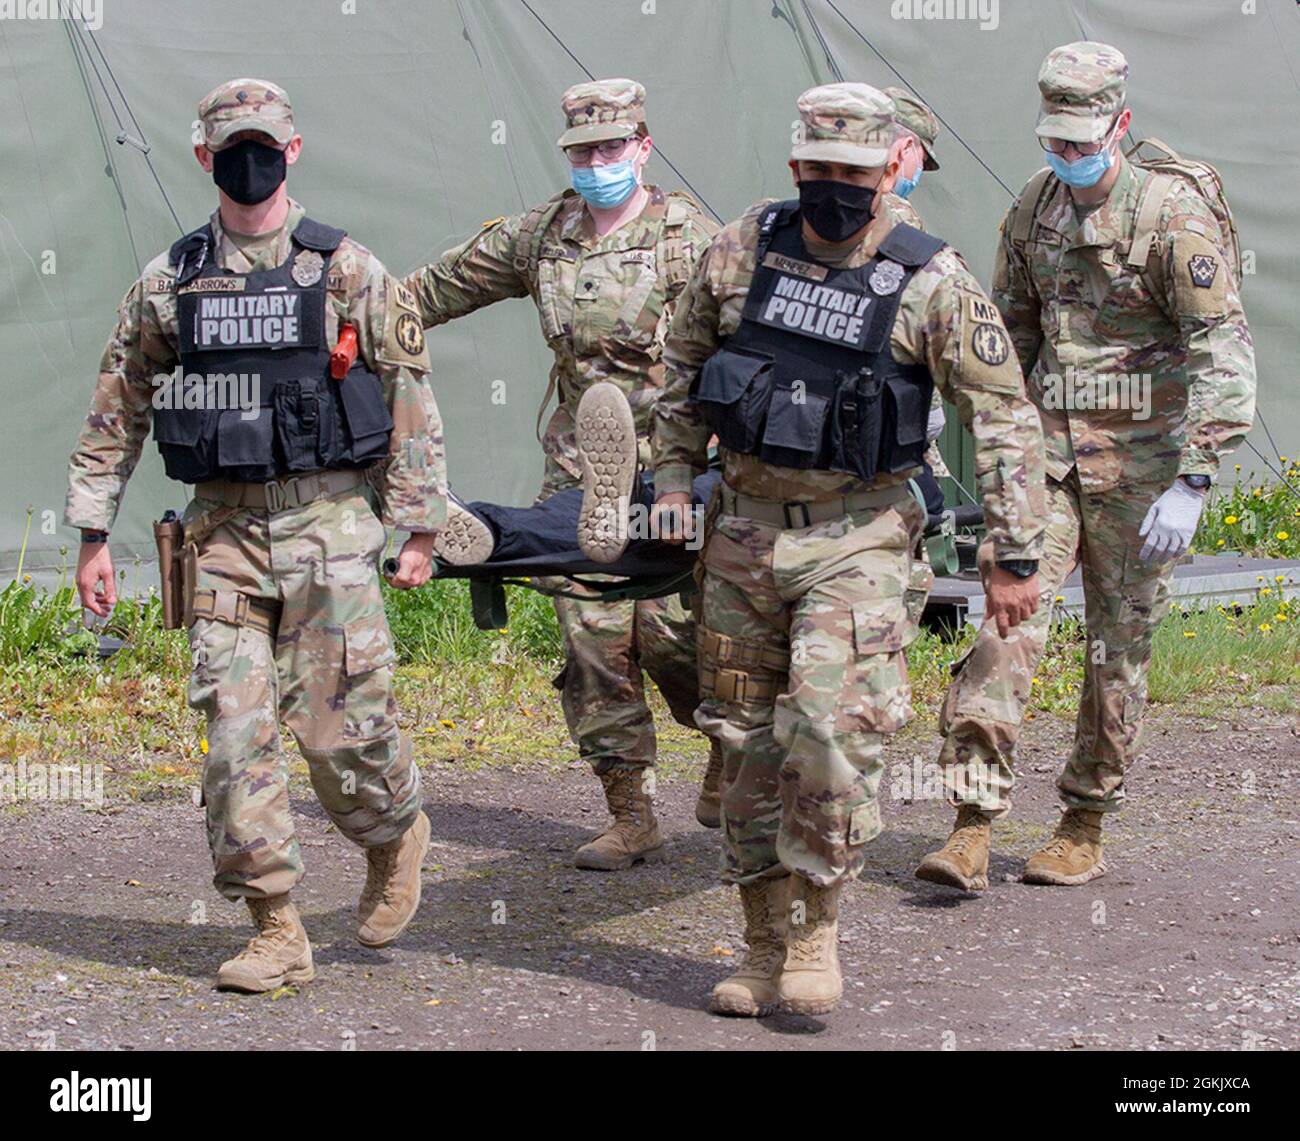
(604, 267)
(286, 621)
(806, 328)
(1126, 478)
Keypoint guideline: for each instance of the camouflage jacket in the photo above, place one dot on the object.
(1172, 337)
(942, 311)
(604, 302)
(144, 347)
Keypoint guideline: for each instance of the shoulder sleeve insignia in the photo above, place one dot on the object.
(981, 309)
(1203, 269)
(409, 334)
(990, 344)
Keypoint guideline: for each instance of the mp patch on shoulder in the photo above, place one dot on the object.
(403, 341)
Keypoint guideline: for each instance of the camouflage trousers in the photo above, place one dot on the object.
(327, 675)
(607, 645)
(803, 676)
(1124, 601)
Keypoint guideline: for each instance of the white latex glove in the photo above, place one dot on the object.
(1171, 523)
(934, 424)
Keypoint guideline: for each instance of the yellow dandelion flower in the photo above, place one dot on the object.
(1282, 617)
(1189, 633)
(1284, 535)
(448, 724)
(203, 746)
(1230, 520)
(1265, 627)
(1219, 543)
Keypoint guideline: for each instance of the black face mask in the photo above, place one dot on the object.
(835, 210)
(250, 172)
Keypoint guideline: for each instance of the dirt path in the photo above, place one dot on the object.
(1192, 940)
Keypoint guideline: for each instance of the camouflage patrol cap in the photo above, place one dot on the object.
(604, 109)
(1083, 86)
(850, 123)
(245, 105)
(911, 113)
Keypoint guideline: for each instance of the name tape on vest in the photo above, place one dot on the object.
(821, 311)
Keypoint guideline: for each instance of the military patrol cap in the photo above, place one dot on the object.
(1084, 87)
(911, 113)
(605, 109)
(849, 123)
(245, 105)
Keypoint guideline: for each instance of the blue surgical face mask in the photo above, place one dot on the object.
(605, 186)
(1083, 172)
(904, 187)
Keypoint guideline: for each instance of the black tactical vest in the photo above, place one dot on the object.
(256, 401)
(808, 379)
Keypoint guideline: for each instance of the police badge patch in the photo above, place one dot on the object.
(1203, 269)
(307, 267)
(990, 344)
(886, 278)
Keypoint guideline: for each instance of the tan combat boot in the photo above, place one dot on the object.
(277, 955)
(392, 892)
(1073, 855)
(810, 981)
(634, 835)
(752, 991)
(708, 809)
(963, 861)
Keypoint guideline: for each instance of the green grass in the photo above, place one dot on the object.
(476, 697)
(1258, 519)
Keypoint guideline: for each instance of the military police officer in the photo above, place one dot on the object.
(1117, 288)
(809, 339)
(604, 262)
(282, 596)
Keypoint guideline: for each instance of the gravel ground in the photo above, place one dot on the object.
(110, 931)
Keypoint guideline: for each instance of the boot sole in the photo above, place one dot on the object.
(424, 851)
(739, 1008)
(607, 446)
(464, 539)
(946, 874)
(299, 975)
(621, 863)
(809, 1007)
(1052, 879)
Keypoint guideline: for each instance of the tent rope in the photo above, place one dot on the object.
(85, 32)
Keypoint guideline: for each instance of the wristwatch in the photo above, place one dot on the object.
(94, 536)
(1198, 482)
(1021, 568)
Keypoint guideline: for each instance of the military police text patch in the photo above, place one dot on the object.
(1203, 269)
(824, 312)
(990, 344)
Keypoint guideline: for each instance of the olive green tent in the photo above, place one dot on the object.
(424, 118)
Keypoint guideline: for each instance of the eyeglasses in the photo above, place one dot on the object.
(611, 148)
(1059, 146)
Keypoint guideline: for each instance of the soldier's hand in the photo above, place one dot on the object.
(414, 564)
(1011, 600)
(669, 517)
(95, 570)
